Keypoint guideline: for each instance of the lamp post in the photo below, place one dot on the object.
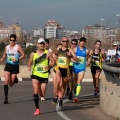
(117, 20)
(102, 21)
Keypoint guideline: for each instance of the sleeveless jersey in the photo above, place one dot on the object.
(39, 68)
(81, 54)
(12, 54)
(97, 59)
(63, 59)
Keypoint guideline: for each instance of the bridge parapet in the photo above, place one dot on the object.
(110, 90)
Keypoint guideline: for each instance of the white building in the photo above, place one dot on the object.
(38, 32)
(4, 33)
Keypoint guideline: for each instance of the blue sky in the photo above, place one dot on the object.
(72, 14)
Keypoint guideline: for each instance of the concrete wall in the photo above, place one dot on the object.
(110, 98)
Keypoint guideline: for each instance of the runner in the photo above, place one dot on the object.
(97, 56)
(13, 53)
(41, 60)
(43, 86)
(62, 67)
(70, 84)
(79, 68)
(55, 91)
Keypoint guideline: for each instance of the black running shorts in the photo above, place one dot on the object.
(94, 69)
(13, 69)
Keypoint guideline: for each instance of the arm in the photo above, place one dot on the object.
(30, 61)
(73, 55)
(21, 52)
(4, 55)
(51, 60)
(89, 57)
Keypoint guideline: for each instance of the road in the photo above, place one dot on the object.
(21, 105)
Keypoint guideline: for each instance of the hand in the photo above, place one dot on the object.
(29, 68)
(46, 68)
(2, 59)
(69, 54)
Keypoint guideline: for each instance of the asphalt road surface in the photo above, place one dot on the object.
(21, 105)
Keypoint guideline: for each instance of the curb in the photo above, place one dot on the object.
(50, 79)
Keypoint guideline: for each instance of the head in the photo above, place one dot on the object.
(12, 39)
(65, 42)
(41, 44)
(59, 45)
(115, 45)
(82, 41)
(74, 43)
(97, 44)
(46, 43)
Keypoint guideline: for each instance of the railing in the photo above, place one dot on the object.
(112, 72)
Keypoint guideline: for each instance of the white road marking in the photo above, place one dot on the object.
(59, 111)
(3, 79)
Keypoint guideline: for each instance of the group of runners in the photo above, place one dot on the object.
(68, 65)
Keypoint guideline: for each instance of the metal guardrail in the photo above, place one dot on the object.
(112, 72)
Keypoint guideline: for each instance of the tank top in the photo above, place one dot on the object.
(38, 69)
(81, 55)
(63, 59)
(97, 59)
(12, 54)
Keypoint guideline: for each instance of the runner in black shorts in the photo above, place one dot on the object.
(13, 53)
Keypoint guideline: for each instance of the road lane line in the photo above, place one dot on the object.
(59, 111)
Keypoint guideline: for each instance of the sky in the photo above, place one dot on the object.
(72, 14)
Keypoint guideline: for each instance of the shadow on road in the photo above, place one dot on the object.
(84, 103)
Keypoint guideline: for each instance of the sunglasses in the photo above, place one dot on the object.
(74, 43)
(13, 40)
(64, 41)
(42, 43)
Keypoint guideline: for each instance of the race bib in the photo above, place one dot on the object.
(41, 68)
(10, 58)
(62, 60)
(96, 63)
(81, 59)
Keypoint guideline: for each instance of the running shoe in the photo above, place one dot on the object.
(76, 100)
(96, 93)
(37, 112)
(6, 101)
(55, 100)
(70, 96)
(67, 91)
(42, 99)
(60, 102)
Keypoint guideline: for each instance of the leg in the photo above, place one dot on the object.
(7, 76)
(94, 80)
(78, 89)
(43, 90)
(35, 84)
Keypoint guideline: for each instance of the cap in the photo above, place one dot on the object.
(41, 40)
(115, 43)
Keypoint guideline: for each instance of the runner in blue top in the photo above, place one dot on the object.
(79, 67)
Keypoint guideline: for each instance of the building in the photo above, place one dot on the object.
(4, 32)
(38, 32)
(16, 29)
(98, 32)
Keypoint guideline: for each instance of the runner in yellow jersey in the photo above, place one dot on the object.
(62, 67)
(41, 60)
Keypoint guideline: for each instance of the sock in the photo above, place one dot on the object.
(6, 91)
(78, 89)
(36, 100)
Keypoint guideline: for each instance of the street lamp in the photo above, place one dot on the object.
(102, 21)
(117, 20)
